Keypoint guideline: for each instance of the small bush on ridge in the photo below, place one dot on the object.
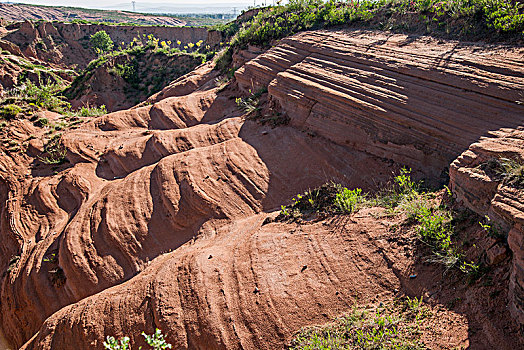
(156, 341)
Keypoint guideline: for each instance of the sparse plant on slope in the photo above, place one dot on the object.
(156, 341)
(513, 172)
(428, 216)
(396, 325)
(327, 199)
(510, 171)
(247, 104)
(54, 151)
(250, 103)
(10, 111)
(30, 96)
(90, 111)
(346, 200)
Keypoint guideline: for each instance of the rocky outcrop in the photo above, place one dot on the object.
(478, 181)
(203, 77)
(15, 68)
(391, 96)
(68, 43)
(240, 288)
(146, 74)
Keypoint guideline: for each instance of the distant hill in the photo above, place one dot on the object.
(21, 12)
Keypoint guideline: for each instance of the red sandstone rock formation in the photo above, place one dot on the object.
(14, 65)
(418, 102)
(481, 188)
(157, 218)
(68, 43)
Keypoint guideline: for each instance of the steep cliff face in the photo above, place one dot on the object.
(68, 44)
(158, 216)
(419, 102)
(484, 183)
(124, 81)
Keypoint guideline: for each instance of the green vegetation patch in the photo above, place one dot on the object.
(134, 63)
(328, 199)
(10, 111)
(473, 19)
(393, 325)
(509, 171)
(101, 42)
(54, 151)
(252, 104)
(156, 341)
(423, 211)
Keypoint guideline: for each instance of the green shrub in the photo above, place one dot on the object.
(101, 42)
(248, 104)
(423, 211)
(227, 29)
(347, 200)
(47, 96)
(91, 111)
(128, 71)
(43, 121)
(112, 344)
(328, 199)
(54, 151)
(10, 111)
(156, 341)
(402, 191)
(434, 228)
(512, 171)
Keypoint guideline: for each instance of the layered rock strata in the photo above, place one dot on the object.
(480, 181)
(417, 101)
(68, 43)
(157, 217)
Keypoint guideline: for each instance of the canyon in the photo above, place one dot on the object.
(163, 214)
(67, 44)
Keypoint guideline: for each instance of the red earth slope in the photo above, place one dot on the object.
(157, 218)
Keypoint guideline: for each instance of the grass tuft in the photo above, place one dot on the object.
(394, 325)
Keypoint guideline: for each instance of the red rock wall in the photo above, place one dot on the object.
(68, 43)
(486, 194)
(390, 95)
(412, 102)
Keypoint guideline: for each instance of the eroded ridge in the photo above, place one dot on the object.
(157, 218)
(143, 182)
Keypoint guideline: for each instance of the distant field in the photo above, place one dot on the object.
(19, 12)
